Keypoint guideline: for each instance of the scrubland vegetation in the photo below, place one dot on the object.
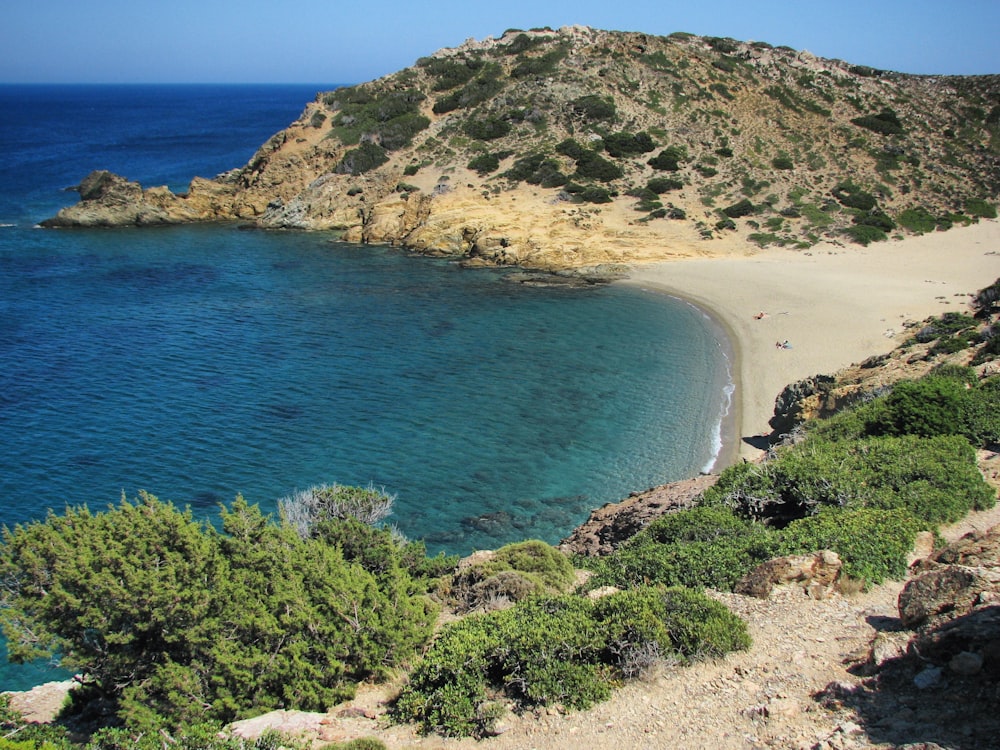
(758, 135)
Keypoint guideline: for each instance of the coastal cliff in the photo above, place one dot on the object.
(580, 147)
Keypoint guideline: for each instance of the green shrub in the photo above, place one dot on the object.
(725, 45)
(852, 196)
(178, 624)
(885, 122)
(763, 239)
(782, 162)
(399, 131)
(524, 43)
(200, 737)
(540, 651)
(980, 208)
(594, 194)
(558, 650)
(917, 220)
(628, 144)
(939, 405)
(515, 572)
(594, 108)
(934, 478)
(875, 218)
(668, 160)
(593, 166)
(450, 72)
(660, 185)
(486, 128)
(487, 84)
(536, 169)
(543, 65)
(944, 325)
(391, 118)
(873, 544)
(864, 234)
(924, 407)
(570, 148)
(484, 163)
(704, 546)
(742, 208)
(364, 158)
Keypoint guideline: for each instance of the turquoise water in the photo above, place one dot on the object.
(201, 362)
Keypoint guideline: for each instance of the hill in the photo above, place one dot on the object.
(581, 147)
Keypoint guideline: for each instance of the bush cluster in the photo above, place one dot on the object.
(862, 483)
(487, 83)
(660, 185)
(563, 651)
(885, 122)
(390, 119)
(537, 169)
(628, 144)
(364, 158)
(852, 196)
(981, 208)
(593, 166)
(917, 220)
(669, 159)
(514, 572)
(945, 403)
(176, 623)
(594, 108)
(589, 163)
(588, 193)
(450, 72)
(742, 208)
(487, 128)
(935, 478)
(543, 65)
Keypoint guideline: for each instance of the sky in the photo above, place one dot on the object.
(331, 41)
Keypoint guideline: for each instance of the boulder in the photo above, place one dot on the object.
(294, 723)
(945, 593)
(977, 549)
(957, 643)
(818, 573)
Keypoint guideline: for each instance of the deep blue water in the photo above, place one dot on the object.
(201, 362)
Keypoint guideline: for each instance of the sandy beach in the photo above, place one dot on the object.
(834, 305)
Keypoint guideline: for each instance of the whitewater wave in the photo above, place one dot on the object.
(726, 405)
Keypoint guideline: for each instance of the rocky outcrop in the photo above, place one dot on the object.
(953, 604)
(614, 523)
(816, 573)
(949, 615)
(108, 200)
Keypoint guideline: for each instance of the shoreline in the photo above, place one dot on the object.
(836, 305)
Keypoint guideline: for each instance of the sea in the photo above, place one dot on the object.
(199, 363)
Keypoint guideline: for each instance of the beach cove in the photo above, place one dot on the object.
(834, 304)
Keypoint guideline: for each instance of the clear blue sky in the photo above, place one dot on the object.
(330, 41)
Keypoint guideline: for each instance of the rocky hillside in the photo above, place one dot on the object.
(580, 147)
